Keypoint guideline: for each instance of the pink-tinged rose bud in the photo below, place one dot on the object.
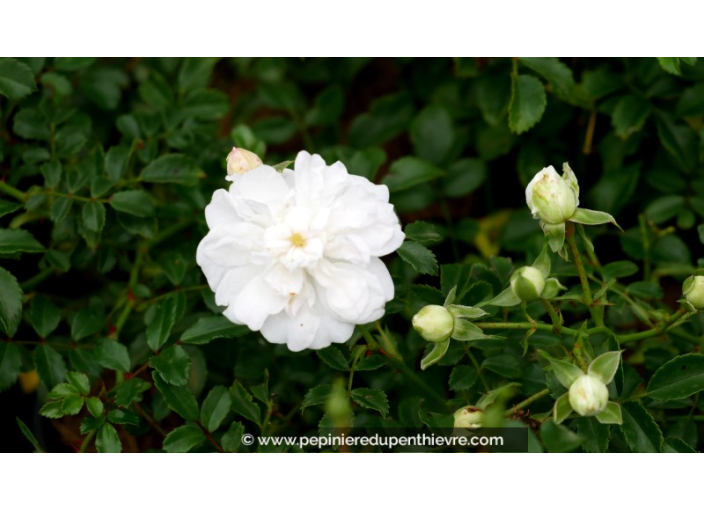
(240, 161)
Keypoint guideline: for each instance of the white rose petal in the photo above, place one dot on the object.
(295, 255)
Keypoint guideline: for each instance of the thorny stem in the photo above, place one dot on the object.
(12, 191)
(586, 291)
(525, 403)
(149, 419)
(554, 316)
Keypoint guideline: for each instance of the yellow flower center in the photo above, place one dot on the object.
(297, 240)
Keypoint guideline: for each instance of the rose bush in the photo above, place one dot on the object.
(153, 281)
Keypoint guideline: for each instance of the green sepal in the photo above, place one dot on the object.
(439, 350)
(562, 408)
(505, 298)
(605, 366)
(555, 234)
(467, 312)
(610, 415)
(465, 331)
(542, 263)
(566, 373)
(589, 217)
(552, 288)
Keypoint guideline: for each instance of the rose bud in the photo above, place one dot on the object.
(527, 283)
(434, 323)
(240, 161)
(588, 395)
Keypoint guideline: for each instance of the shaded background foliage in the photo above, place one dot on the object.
(107, 165)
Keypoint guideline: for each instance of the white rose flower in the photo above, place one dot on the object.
(295, 254)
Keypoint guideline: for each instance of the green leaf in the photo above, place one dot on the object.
(136, 202)
(678, 378)
(50, 365)
(672, 64)
(610, 415)
(112, 354)
(371, 399)
(183, 439)
(316, 396)
(435, 355)
(562, 408)
(43, 315)
(640, 430)
(93, 215)
(80, 382)
(605, 366)
(505, 391)
(465, 331)
(107, 440)
(72, 405)
(558, 438)
(589, 217)
(159, 328)
(676, 445)
(432, 134)
(8, 207)
(333, 357)
(506, 365)
(129, 391)
(232, 439)
(463, 378)
(172, 168)
(243, 405)
(177, 398)
(423, 233)
(370, 363)
(16, 79)
(10, 364)
(10, 302)
(15, 241)
(596, 435)
(630, 114)
(87, 322)
(116, 161)
(73, 63)
(664, 208)
(210, 328)
(52, 410)
(528, 102)
(95, 407)
(30, 437)
(215, 408)
(195, 73)
(60, 209)
(557, 73)
(410, 171)
(172, 364)
(618, 269)
(464, 176)
(419, 257)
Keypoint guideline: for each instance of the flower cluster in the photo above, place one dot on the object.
(295, 254)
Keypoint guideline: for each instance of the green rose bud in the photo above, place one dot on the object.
(527, 283)
(434, 323)
(588, 395)
(693, 290)
(468, 417)
(552, 198)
